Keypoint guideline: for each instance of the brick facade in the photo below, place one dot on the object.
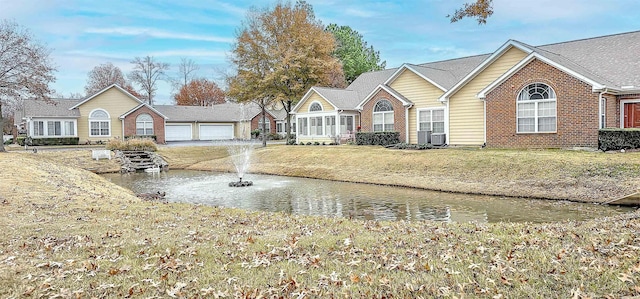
(158, 123)
(576, 110)
(399, 117)
(255, 122)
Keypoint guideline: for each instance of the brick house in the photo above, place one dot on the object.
(520, 96)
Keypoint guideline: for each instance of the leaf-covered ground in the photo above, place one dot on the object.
(66, 232)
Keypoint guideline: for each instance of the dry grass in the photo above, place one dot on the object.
(553, 174)
(68, 233)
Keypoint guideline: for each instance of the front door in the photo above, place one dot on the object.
(632, 115)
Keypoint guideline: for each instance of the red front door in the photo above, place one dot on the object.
(632, 115)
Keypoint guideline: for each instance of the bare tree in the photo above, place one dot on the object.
(25, 67)
(186, 70)
(146, 73)
(102, 76)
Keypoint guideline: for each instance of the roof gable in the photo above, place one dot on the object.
(307, 96)
(391, 91)
(407, 67)
(488, 61)
(535, 55)
(116, 86)
(140, 106)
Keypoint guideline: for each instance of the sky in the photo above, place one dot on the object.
(83, 34)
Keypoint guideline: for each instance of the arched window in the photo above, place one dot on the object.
(99, 123)
(144, 124)
(383, 116)
(315, 107)
(536, 111)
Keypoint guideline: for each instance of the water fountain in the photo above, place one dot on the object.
(240, 152)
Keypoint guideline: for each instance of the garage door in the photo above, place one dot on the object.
(177, 132)
(216, 132)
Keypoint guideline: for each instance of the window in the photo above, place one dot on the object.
(267, 124)
(54, 128)
(303, 126)
(144, 124)
(431, 120)
(536, 109)
(330, 125)
(315, 123)
(315, 107)
(38, 128)
(279, 127)
(383, 116)
(99, 123)
(346, 124)
(69, 128)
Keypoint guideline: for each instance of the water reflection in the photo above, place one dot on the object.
(361, 201)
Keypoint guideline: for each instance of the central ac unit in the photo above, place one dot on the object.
(438, 139)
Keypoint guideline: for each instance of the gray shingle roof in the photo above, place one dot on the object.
(227, 112)
(51, 108)
(447, 73)
(613, 60)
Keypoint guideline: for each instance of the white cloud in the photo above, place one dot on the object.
(155, 33)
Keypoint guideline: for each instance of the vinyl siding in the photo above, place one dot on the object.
(419, 91)
(466, 112)
(315, 98)
(115, 103)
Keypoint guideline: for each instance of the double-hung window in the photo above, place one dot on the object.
(431, 120)
(536, 109)
(99, 123)
(54, 128)
(38, 128)
(330, 125)
(144, 124)
(315, 123)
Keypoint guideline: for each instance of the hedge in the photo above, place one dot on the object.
(617, 139)
(49, 141)
(377, 138)
(141, 137)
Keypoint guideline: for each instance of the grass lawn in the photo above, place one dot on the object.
(66, 232)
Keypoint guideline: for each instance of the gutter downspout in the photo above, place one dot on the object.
(406, 123)
(122, 122)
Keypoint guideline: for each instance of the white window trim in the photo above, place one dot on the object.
(308, 116)
(432, 109)
(45, 126)
(374, 113)
(536, 117)
(602, 115)
(315, 102)
(622, 102)
(108, 120)
(145, 123)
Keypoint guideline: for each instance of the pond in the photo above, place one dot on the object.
(351, 200)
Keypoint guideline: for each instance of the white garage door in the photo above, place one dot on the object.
(216, 132)
(177, 132)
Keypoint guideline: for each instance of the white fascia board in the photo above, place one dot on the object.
(482, 94)
(103, 90)
(387, 89)
(410, 68)
(503, 49)
(308, 95)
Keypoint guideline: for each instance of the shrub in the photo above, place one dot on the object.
(377, 138)
(424, 146)
(292, 142)
(255, 133)
(132, 144)
(308, 143)
(316, 143)
(48, 141)
(9, 141)
(617, 139)
(142, 137)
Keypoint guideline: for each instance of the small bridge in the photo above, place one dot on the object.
(632, 200)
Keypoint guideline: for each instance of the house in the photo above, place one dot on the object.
(115, 113)
(555, 95)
